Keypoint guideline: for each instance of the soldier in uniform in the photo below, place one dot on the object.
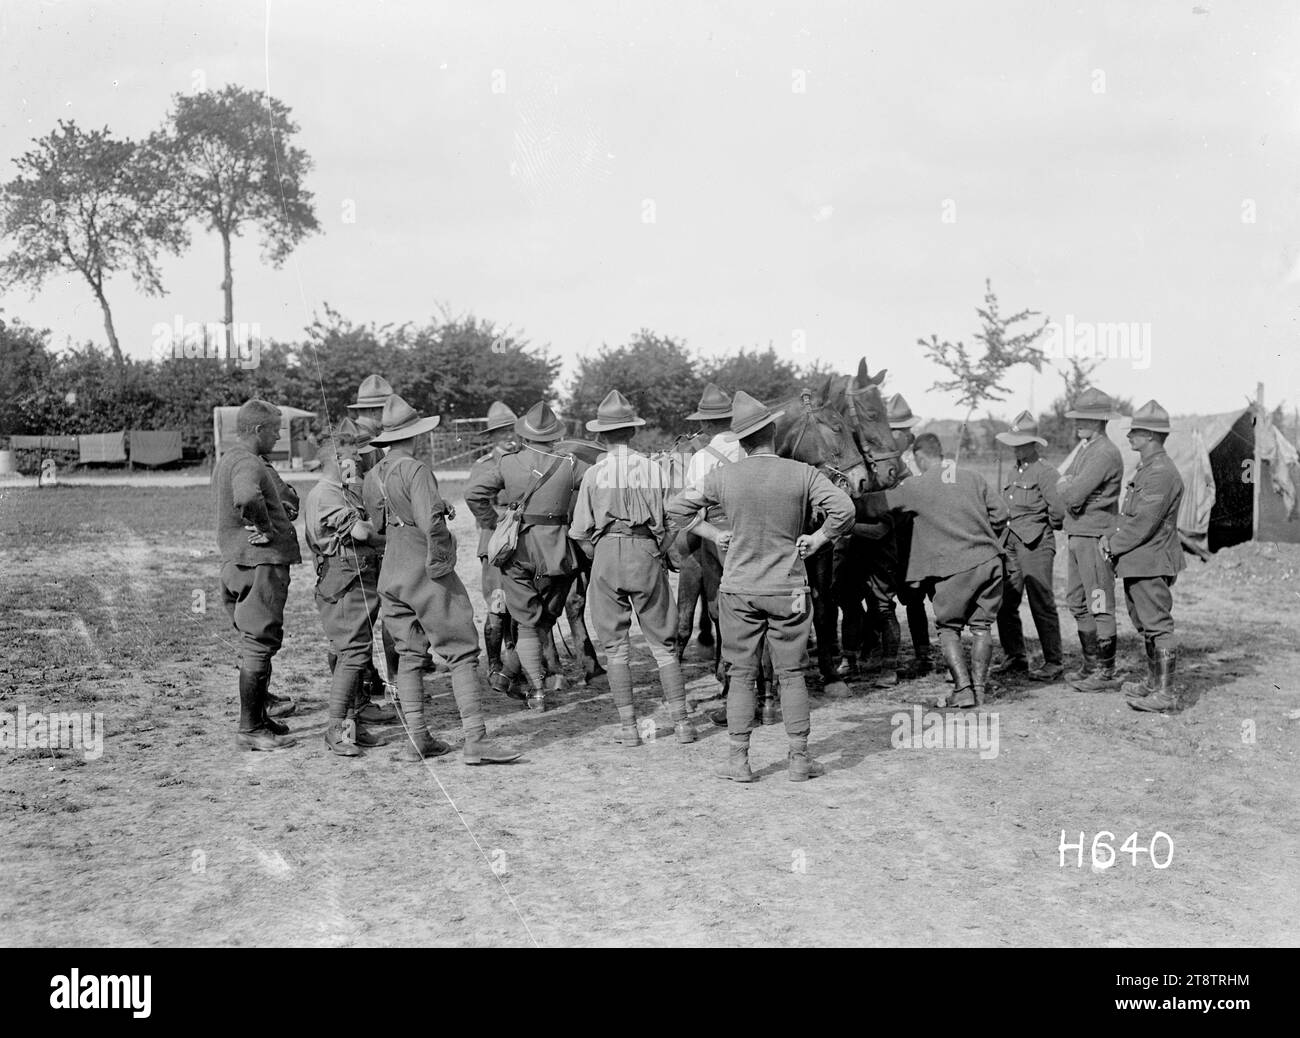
(424, 601)
(1090, 493)
(1148, 556)
(618, 521)
(956, 558)
(890, 537)
(255, 510)
(764, 591)
(346, 549)
(368, 413)
(496, 624)
(717, 447)
(537, 579)
(1035, 512)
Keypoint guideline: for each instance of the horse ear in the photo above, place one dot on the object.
(880, 377)
(824, 394)
(863, 376)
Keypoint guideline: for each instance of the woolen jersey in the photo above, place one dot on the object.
(247, 491)
(1145, 540)
(723, 449)
(1090, 488)
(767, 500)
(958, 519)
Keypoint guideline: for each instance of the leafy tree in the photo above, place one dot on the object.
(456, 367)
(338, 355)
(92, 204)
(762, 374)
(236, 167)
(654, 372)
(25, 360)
(980, 380)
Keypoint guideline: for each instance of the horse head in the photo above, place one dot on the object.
(813, 430)
(870, 418)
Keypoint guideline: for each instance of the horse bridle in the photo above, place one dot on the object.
(809, 417)
(873, 455)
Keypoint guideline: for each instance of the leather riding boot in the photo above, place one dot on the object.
(801, 766)
(1137, 689)
(275, 706)
(890, 642)
(493, 636)
(981, 654)
(1089, 647)
(1164, 699)
(275, 727)
(954, 655)
(253, 732)
(1102, 679)
(737, 766)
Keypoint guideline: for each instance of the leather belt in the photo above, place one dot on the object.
(618, 528)
(544, 519)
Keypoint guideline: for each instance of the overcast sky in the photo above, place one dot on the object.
(840, 177)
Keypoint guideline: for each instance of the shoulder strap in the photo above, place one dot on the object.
(717, 454)
(536, 484)
(383, 490)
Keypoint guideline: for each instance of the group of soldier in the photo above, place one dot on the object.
(550, 522)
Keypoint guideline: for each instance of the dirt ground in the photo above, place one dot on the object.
(171, 837)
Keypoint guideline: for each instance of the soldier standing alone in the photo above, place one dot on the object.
(1035, 513)
(258, 543)
(1148, 556)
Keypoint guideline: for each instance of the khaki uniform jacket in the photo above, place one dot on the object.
(329, 513)
(1090, 488)
(401, 494)
(1033, 503)
(544, 546)
(475, 471)
(1145, 541)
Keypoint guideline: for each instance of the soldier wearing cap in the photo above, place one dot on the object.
(1148, 556)
(764, 591)
(537, 579)
(1089, 491)
(496, 624)
(1035, 512)
(347, 553)
(718, 447)
(424, 601)
(255, 510)
(618, 520)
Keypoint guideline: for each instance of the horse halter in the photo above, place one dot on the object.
(872, 453)
(807, 419)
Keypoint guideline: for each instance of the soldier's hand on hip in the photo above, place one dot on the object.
(724, 540)
(808, 543)
(258, 538)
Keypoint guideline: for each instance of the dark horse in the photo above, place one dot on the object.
(841, 427)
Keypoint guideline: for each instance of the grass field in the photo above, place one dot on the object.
(109, 604)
